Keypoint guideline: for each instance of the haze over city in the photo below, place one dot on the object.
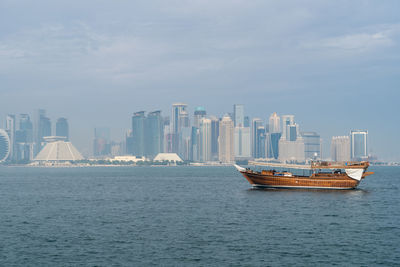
(334, 65)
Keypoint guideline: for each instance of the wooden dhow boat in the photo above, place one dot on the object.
(321, 175)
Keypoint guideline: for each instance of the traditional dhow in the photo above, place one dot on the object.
(321, 175)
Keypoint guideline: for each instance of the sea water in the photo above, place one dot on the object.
(182, 216)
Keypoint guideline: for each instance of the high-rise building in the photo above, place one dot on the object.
(246, 121)
(199, 113)
(179, 119)
(291, 144)
(274, 123)
(242, 142)
(238, 114)
(214, 137)
(102, 141)
(340, 148)
(138, 133)
(273, 145)
(312, 145)
(38, 139)
(10, 129)
(44, 130)
(287, 122)
(195, 144)
(359, 144)
(205, 140)
(260, 142)
(25, 125)
(226, 151)
(5, 145)
(154, 134)
(255, 123)
(62, 128)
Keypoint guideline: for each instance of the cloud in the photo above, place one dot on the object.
(361, 42)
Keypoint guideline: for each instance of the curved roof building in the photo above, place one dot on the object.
(4, 145)
(57, 149)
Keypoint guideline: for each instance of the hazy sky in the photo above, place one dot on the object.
(335, 65)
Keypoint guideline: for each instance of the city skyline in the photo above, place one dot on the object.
(333, 65)
(193, 136)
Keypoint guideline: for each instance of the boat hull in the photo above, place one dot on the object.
(337, 181)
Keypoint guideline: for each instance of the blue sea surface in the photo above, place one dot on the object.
(183, 216)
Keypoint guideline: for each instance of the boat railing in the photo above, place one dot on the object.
(339, 165)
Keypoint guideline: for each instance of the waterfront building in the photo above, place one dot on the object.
(274, 123)
(226, 151)
(340, 148)
(5, 145)
(195, 143)
(199, 113)
(26, 126)
(273, 145)
(359, 144)
(205, 140)
(138, 133)
(214, 137)
(62, 128)
(102, 142)
(287, 122)
(246, 121)
(57, 149)
(261, 142)
(154, 134)
(312, 145)
(255, 123)
(242, 142)
(44, 130)
(238, 115)
(291, 144)
(179, 119)
(10, 129)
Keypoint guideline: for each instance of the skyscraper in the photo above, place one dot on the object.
(102, 141)
(274, 123)
(62, 128)
(261, 142)
(238, 114)
(291, 144)
(287, 121)
(255, 123)
(214, 137)
(5, 145)
(138, 133)
(273, 145)
(340, 148)
(312, 145)
(44, 130)
(199, 113)
(10, 129)
(154, 134)
(179, 119)
(242, 142)
(205, 140)
(359, 144)
(226, 152)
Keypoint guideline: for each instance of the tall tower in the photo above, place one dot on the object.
(287, 121)
(179, 119)
(340, 148)
(4, 145)
(138, 134)
(274, 123)
(199, 113)
(10, 129)
(255, 124)
(154, 133)
(359, 144)
(205, 140)
(226, 152)
(62, 128)
(238, 114)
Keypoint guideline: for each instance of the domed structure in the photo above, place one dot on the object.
(4, 145)
(57, 149)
